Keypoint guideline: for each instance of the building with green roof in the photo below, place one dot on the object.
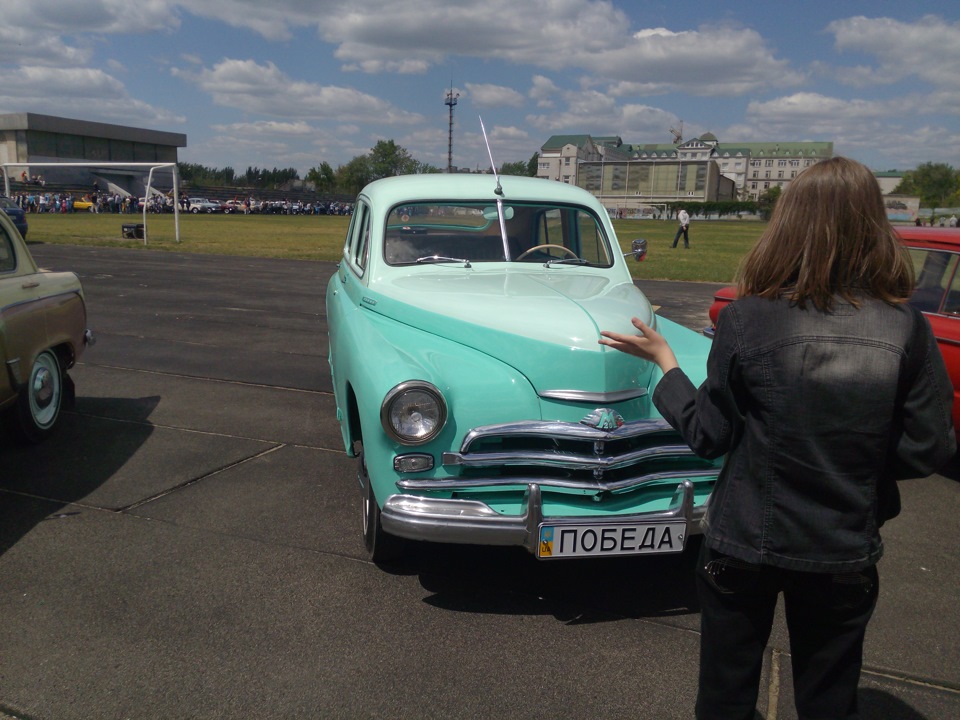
(631, 177)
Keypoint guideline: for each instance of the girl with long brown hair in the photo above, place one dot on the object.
(823, 388)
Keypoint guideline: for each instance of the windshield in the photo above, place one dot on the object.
(470, 232)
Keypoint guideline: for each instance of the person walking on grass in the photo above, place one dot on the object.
(683, 217)
(824, 387)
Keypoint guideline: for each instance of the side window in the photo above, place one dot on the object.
(576, 230)
(358, 240)
(551, 229)
(934, 270)
(951, 305)
(593, 246)
(8, 260)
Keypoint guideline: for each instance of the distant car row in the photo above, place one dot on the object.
(197, 205)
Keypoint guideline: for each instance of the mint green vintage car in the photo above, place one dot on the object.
(470, 386)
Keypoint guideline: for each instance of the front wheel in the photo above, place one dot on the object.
(381, 545)
(38, 404)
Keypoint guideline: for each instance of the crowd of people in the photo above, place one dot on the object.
(101, 202)
(941, 221)
(51, 202)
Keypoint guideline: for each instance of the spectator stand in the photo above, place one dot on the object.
(6, 167)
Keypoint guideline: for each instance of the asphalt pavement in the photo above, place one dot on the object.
(188, 545)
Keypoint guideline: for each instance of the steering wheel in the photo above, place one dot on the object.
(526, 252)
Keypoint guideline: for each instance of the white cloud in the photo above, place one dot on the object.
(266, 127)
(92, 93)
(264, 89)
(544, 91)
(486, 95)
(709, 61)
(814, 110)
(599, 114)
(508, 133)
(926, 50)
(857, 127)
(91, 16)
(28, 46)
(593, 67)
(590, 35)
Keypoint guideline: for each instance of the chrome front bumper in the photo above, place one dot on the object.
(475, 522)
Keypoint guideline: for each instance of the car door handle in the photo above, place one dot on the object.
(27, 285)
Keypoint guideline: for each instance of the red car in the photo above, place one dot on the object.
(936, 255)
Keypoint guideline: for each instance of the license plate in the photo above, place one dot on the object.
(565, 541)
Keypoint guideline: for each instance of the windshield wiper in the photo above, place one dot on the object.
(443, 259)
(567, 261)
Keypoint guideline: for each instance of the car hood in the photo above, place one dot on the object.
(544, 323)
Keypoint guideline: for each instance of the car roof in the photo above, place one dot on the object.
(394, 191)
(945, 238)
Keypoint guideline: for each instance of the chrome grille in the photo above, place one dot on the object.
(571, 457)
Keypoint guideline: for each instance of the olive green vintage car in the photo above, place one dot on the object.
(463, 320)
(43, 330)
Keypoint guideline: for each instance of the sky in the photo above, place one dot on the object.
(294, 83)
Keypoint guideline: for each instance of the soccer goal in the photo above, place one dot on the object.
(106, 165)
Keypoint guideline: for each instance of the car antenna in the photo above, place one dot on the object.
(493, 165)
(498, 191)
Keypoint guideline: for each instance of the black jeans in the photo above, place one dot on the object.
(827, 617)
(682, 230)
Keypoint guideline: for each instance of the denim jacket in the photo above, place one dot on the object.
(819, 414)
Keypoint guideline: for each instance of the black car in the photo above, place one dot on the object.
(15, 213)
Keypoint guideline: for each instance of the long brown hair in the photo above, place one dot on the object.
(829, 236)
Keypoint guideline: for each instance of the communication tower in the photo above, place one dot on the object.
(450, 102)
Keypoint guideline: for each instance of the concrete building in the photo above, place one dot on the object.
(889, 180)
(561, 156)
(31, 138)
(699, 170)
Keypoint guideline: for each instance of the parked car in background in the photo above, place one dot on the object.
(15, 213)
(463, 320)
(43, 330)
(936, 254)
(199, 205)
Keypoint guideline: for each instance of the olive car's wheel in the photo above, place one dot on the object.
(381, 545)
(38, 404)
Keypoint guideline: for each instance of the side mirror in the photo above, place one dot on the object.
(638, 248)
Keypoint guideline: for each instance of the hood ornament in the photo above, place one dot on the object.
(603, 419)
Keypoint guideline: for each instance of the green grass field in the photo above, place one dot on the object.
(716, 247)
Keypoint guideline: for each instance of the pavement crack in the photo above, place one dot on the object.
(199, 478)
(911, 680)
(241, 383)
(773, 691)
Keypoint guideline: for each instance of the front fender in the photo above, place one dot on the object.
(371, 354)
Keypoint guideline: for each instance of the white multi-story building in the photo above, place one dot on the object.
(698, 170)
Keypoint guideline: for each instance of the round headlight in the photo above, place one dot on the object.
(413, 413)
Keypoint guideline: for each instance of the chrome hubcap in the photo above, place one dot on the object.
(43, 388)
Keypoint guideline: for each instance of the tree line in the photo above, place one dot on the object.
(936, 184)
(385, 159)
